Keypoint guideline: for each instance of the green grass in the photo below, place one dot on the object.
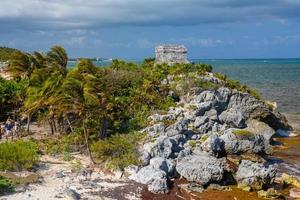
(18, 155)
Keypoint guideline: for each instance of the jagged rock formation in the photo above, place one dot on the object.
(171, 54)
(194, 139)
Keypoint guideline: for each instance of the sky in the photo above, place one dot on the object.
(130, 29)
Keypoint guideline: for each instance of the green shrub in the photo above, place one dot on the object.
(62, 145)
(118, 151)
(18, 155)
(5, 186)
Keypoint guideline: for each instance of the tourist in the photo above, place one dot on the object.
(9, 128)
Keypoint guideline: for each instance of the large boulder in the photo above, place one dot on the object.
(156, 179)
(237, 141)
(252, 108)
(202, 169)
(260, 128)
(251, 175)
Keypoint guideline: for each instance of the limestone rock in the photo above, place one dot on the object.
(160, 163)
(233, 118)
(254, 175)
(239, 141)
(202, 169)
(156, 179)
(199, 121)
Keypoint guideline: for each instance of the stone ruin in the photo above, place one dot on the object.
(171, 54)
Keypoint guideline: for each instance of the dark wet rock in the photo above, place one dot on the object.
(254, 175)
(191, 187)
(73, 193)
(233, 118)
(202, 169)
(156, 179)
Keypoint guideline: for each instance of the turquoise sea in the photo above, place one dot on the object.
(276, 79)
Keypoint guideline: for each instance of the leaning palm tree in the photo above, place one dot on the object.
(78, 95)
(20, 65)
(57, 56)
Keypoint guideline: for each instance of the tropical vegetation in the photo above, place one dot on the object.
(96, 110)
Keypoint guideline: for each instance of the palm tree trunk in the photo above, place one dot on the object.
(51, 126)
(104, 125)
(87, 142)
(70, 125)
(28, 123)
(54, 123)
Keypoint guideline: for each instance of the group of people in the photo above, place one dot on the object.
(9, 129)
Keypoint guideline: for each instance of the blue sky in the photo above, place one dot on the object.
(131, 28)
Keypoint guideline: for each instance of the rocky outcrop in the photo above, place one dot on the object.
(194, 138)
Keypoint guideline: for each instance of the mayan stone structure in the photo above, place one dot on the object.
(171, 54)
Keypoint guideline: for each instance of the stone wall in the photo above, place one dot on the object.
(171, 54)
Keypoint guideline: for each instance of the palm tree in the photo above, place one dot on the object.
(79, 96)
(20, 65)
(57, 56)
